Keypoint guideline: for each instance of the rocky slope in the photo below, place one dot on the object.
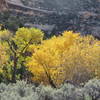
(77, 15)
(16, 1)
(63, 5)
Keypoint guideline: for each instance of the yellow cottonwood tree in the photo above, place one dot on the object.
(66, 57)
(82, 60)
(46, 62)
(18, 45)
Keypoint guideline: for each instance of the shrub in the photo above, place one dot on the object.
(23, 91)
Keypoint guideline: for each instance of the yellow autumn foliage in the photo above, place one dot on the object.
(66, 57)
(17, 47)
(5, 34)
(48, 58)
(82, 61)
(26, 36)
(3, 57)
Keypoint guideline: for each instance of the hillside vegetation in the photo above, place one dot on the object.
(23, 91)
(50, 56)
(27, 55)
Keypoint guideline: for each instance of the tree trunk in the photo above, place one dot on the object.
(49, 77)
(51, 82)
(14, 68)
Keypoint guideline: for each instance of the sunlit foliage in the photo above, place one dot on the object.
(82, 61)
(17, 45)
(25, 36)
(3, 57)
(5, 35)
(47, 60)
(67, 57)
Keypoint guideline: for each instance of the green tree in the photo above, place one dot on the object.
(18, 45)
